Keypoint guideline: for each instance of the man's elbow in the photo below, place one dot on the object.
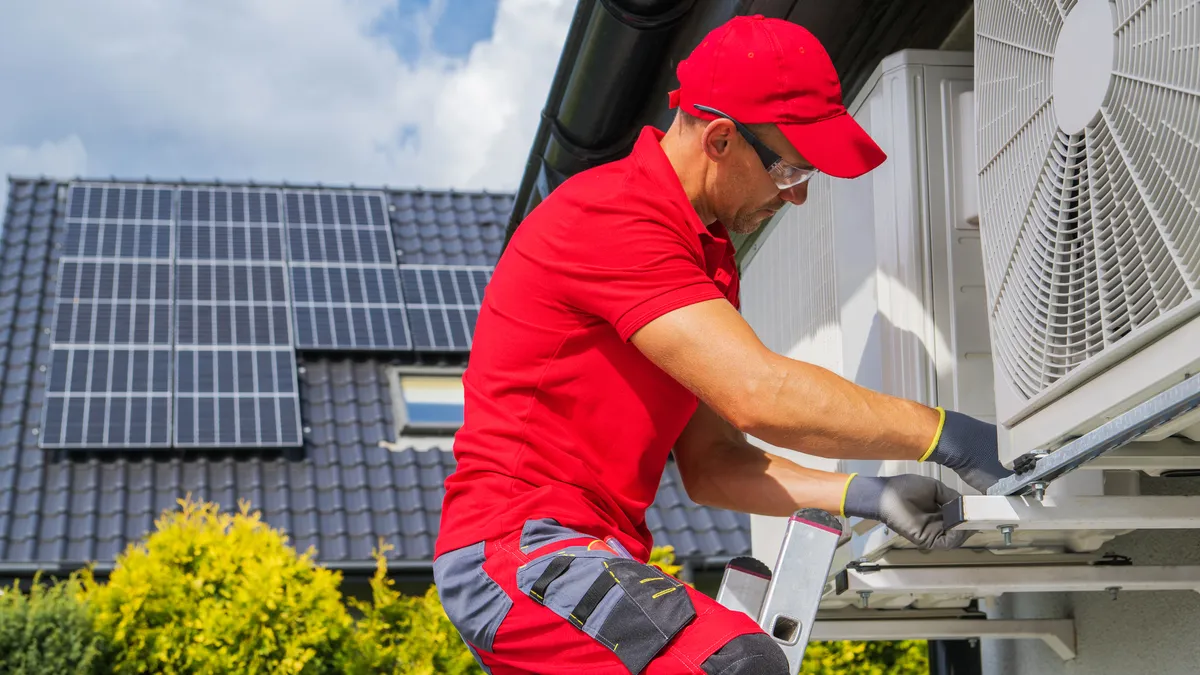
(698, 488)
(696, 479)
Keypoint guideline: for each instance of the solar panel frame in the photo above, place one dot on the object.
(442, 303)
(346, 286)
(245, 297)
(116, 260)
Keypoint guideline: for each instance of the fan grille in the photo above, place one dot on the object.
(1093, 236)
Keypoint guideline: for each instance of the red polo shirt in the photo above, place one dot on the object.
(565, 418)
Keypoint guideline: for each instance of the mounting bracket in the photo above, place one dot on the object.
(994, 581)
(987, 513)
(1058, 634)
(1037, 469)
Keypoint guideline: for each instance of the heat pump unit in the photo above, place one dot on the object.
(1088, 151)
(880, 278)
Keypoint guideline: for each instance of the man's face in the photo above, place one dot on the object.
(744, 196)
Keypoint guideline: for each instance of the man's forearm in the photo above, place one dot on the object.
(742, 477)
(811, 409)
(709, 348)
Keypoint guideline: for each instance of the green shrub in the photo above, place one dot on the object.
(906, 657)
(410, 635)
(209, 592)
(663, 557)
(48, 631)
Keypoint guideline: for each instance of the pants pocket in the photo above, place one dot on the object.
(632, 609)
(473, 602)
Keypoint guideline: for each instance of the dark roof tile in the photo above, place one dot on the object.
(362, 545)
(108, 548)
(22, 528)
(354, 477)
(348, 435)
(409, 500)
(112, 503)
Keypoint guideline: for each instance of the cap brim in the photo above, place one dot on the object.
(837, 146)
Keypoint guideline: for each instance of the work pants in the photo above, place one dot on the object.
(548, 599)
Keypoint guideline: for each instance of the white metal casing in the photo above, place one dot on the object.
(909, 320)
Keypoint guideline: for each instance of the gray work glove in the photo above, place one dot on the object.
(910, 505)
(968, 446)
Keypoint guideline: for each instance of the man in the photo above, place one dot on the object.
(610, 337)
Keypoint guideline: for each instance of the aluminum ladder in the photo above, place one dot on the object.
(784, 603)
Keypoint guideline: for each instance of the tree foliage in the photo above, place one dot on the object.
(210, 592)
(410, 635)
(47, 631)
(907, 657)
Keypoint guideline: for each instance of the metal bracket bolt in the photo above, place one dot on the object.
(863, 567)
(1113, 591)
(866, 598)
(1039, 491)
(1007, 531)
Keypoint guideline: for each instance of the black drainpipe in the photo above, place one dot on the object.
(954, 657)
(609, 60)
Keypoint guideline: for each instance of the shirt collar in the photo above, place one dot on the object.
(649, 155)
(714, 239)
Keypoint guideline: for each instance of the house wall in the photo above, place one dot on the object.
(1139, 632)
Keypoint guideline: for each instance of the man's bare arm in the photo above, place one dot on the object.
(710, 349)
(720, 468)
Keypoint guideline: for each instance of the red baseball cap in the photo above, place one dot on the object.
(770, 71)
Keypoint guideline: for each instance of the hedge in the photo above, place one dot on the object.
(48, 631)
(210, 592)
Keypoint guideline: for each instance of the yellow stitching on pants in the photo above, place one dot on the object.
(664, 592)
(649, 580)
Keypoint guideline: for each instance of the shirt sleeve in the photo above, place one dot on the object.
(630, 278)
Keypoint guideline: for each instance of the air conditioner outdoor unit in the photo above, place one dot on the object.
(1088, 150)
(880, 279)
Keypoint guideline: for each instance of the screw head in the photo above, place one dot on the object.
(1007, 531)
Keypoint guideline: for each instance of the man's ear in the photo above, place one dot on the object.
(715, 140)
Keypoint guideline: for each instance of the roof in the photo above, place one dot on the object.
(340, 493)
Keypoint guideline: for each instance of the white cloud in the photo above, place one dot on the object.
(298, 90)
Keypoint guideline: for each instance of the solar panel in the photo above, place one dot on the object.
(110, 375)
(442, 303)
(179, 309)
(346, 289)
(234, 359)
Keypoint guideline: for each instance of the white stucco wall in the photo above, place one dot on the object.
(1151, 632)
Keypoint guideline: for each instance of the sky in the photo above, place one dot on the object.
(406, 93)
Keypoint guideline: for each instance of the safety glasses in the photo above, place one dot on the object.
(785, 175)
